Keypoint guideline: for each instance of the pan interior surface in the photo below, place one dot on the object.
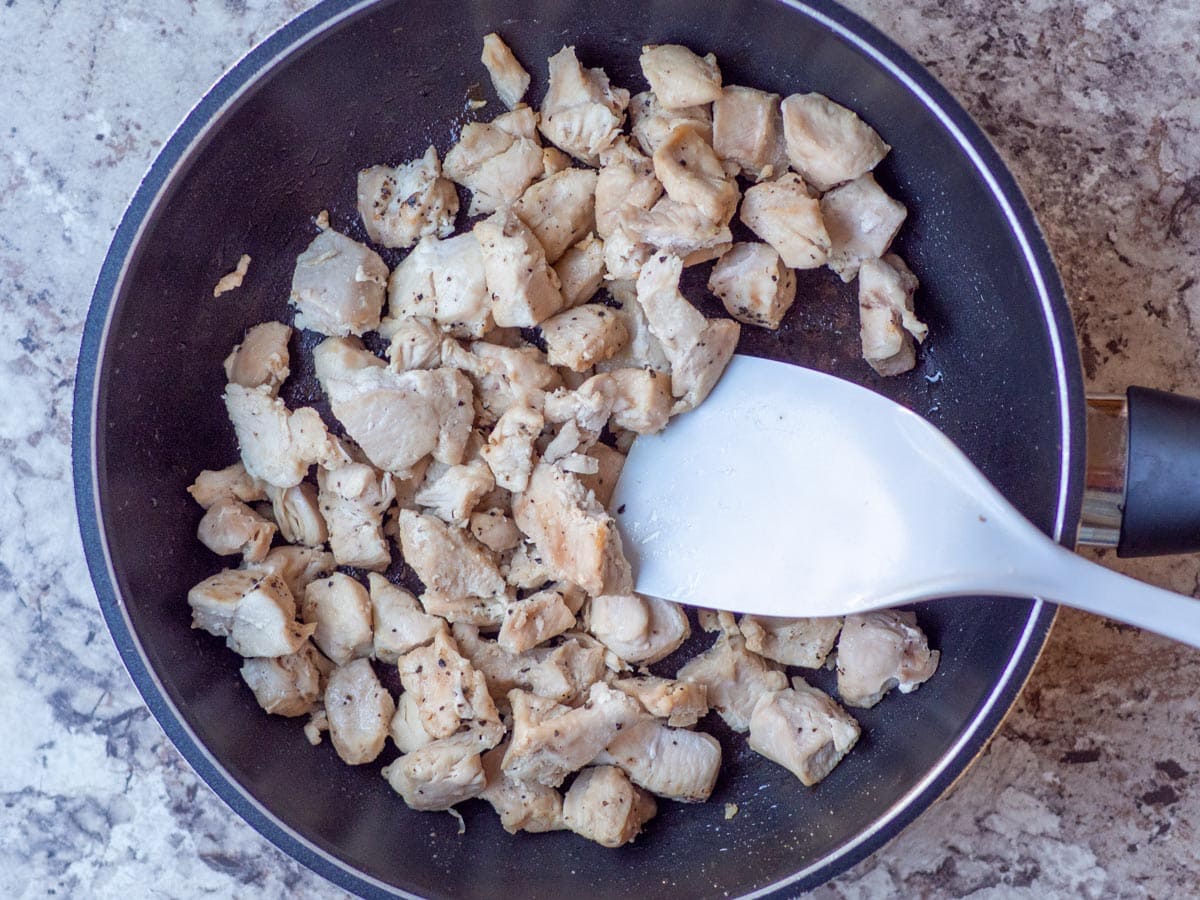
(381, 84)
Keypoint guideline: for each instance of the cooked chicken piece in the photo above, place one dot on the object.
(549, 741)
(651, 123)
(453, 495)
(442, 281)
(793, 642)
(255, 613)
(534, 620)
(579, 338)
(562, 673)
(449, 691)
(644, 350)
(754, 284)
(887, 321)
(359, 709)
(626, 181)
(232, 482)
(712, 620)
(862, 220)
(400, 625)
(509, 78)
(509, 450)
(679, 77)
(230, 526)
(581, 112)
(603, 806)
(495, 529)
(560, 210)
(678, 229)
(580, 271)
(298, 514)
(287, 685)
(681, 703)
(406, 729)
(521, 805)
(261, 358)
(440, 774)
(496, 161)
(624, 250)
(638, 629)
(415, 344)
(735, 678)
(396, 418)
(524, 289)
(603, 481)
(827, 143)
(527, 570)
(337, 287)
(297, 566)
(748, 131)
(803, 730)
(574, 535)
(402, 205)
(503, 376)
(340, 610)
(671, 762)
(406, 492)
(231, 281)
(214, 600)
(643, 403)
(783, 214)
(554, 160)
(353, 501)
(589, 405)
(277, 444)
(449, 562)
(692, 174)
(879, 651)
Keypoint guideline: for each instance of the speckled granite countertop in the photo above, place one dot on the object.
(1091, 788)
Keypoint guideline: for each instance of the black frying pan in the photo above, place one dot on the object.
(280, 138)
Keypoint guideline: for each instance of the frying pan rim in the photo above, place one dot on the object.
(181, 148)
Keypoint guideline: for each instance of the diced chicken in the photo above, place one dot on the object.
(261, 358)
(415, 344)
(450, 692)
(589, 405)
(297, 566)
(580, 271)
(353, 501)
(359, 709)
(233, 482)
(554, 160)
(603, 806)
(406, 729)
(255, 613)
(581, 113)
(677, 229)
(793, 642)
(495, 530)
(879, 651)
(287, 685)
(524, 289)
(440, 774)
(534, 620)
(783, 214)
(887, 321)
(713, 620)
(449, 562)
(644, 350)
(399, 623)
(496, 161)
(827, 143)
(443, 282)
(277, 444)
(579, 338)
(521, 805)
(509, 78)
(338, 284)
(559, 210)
(638, 629)
(681, 703)
(603, 481)
(503, 376)
(679, 77)
(509, 450)
(626, 181)
(735, 678)
(671, 762)
(230, 526)
(643, 403)
(754, 284)
(748, 131)
(214, 600)
(339, 608)
(572, 532)
(692, 174)
(453, 495)
(861, 220)
(803, 730)
(402, 205)
(562, 673)
(651, 123)
(298, 514)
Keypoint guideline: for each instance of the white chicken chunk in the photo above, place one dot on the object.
(827, 143)
(754, 284)
(278, 445)
(861, 220)
(406, 730)
(638, 629)
(879, 651)
(580, 271)
(671, 762)
(603, 481)
(503, 376)
(679, 77)
(495, 529)
(524, 289)
(581, 337)
(450, 693)
(681, 703)
(581, 113)
(232, 482)
(560, 210)
(803, 642)
(521, 805)
(644, 350)
(803, 730)
(783, 214)
(339, 608)
(692, 174)
(509, 450)
(440, 774)
(287, 685)
(415, 344)
(449, 562)
(297, 566)
(562, 673)
(534, 620)
(230, 527)
(748, 131)
(651, 123)
(443, 282)
(261, 358)
(338, 285)
(353, 501)
(735, 678)
(297, 512)
(626, 181)
(402, 205)
(453, 495)
(887, 321)
(359, 710)
(399, 623)
(497, 160)
(603, 806)
(253, 611)
(509, 77)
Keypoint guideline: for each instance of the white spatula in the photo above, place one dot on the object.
(789, 492)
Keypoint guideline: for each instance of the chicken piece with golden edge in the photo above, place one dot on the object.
(452, 565)
(232, 482)
(887, 321)
(827, 143)
(509, 77)
(559, 210)
(401, 205)
(230, 527)
(440, 281)
(496, 160)
(231, 281)
(674, 763)
(277, 445)
(297, 566)
(450, 693)
(803, 730)
(521, 805)
(339, 609)
(289, 685)
(805, 642)
(604, 806)
(603, 482)
(254, 612)
(523, 286)
(453, 495)
(581, 113)
(580, 271)
(651, 123)
(415, 343)
(638, 629)
(581, 337)
(681, 703)
(679, 77)
(735, 678)
(261, 358)
(692, 174)
(879, 651)
(861, 220)
(442, 773)
(338, 286)
(359, 710)
(353, 499)
(754, 284)
(534, 620)
(297, 512)
(495, 529)
(786, 216)
(399, 625)
(748, 131)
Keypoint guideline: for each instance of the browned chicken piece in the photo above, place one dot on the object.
(509, 77)
(443, 282)
(754, 284)
(449, 562)
(786, 216)
(496, 160)
(278, 445)
(440, 774)
(803, 730)
(626, 181)
(827, 143)
(644, 350)
(509, 450)
(287, 685)
(338, 286)
(560, 210)
(232, 482)
(502, 376)
(297, 566)
(862, 220)
(638, 629)
(534, 620)
(651, 123)
(450, 693)
(521, 805)
(255, 613)
(603, 806)
(879, 651)
(261, 358)
(692, 174)
(406, 730)
(453, 495)
(415, 344)
(735, 678)
(681, 703)
(359, 709)
(793, 642)
(562, 673)
(679, 77)
(495, 529)
(580, 271)
(581, 113)
(603, 481)
(339, 608)
(401, 205)
(549, 741)
(581, 337)
(643, 401)
(674, 763)
(353, 501)
(524, 288)
(298, 514)
(399, 623)
(577, 539)
(230, 527)
(554, 160)
(887, 321)
(748, 131)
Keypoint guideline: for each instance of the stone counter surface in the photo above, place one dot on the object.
(1092, 786)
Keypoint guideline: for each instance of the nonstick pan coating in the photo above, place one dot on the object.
(279, 139)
